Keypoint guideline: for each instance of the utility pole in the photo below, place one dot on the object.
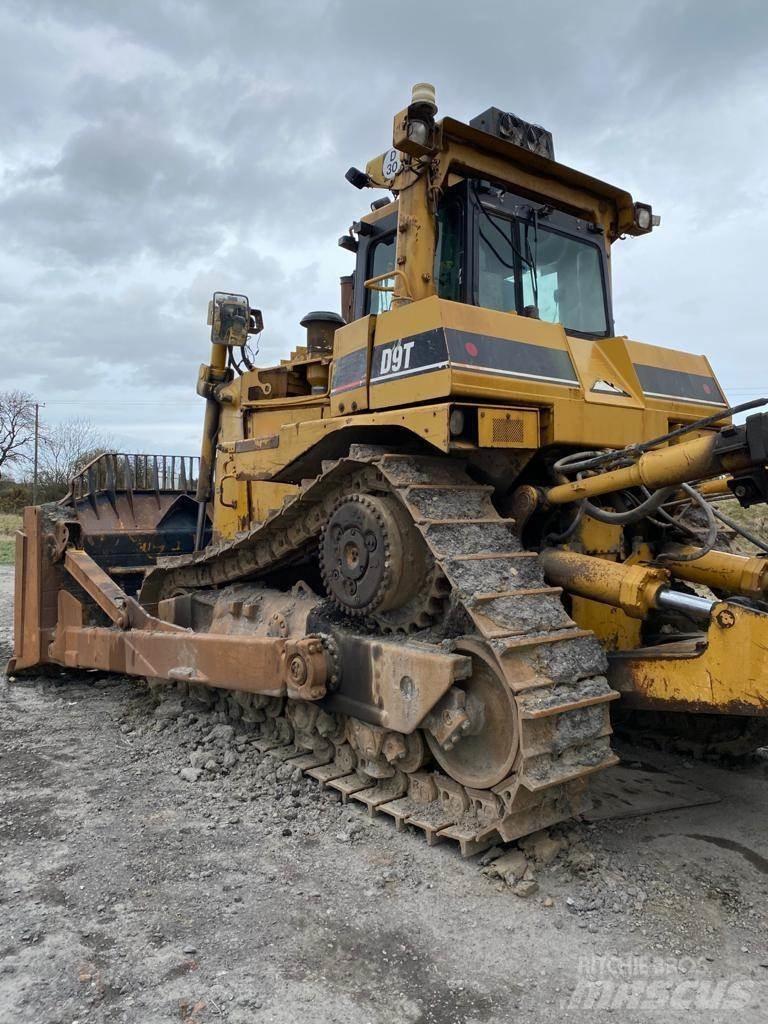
(37, 446)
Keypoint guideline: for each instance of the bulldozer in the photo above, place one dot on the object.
(426, 555)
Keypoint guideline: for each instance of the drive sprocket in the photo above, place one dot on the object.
(375, 564)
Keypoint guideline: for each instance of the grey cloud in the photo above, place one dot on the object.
(154, 152)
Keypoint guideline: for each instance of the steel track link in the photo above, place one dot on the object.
(553, 669)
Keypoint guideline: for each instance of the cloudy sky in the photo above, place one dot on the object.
(155, 151)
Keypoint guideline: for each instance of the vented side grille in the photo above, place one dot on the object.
(507, 431)
(508, 428)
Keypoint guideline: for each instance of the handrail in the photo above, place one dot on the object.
(127, 473)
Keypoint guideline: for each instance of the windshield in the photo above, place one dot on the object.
(523, 264)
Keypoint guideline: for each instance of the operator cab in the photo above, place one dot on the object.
(502, 251)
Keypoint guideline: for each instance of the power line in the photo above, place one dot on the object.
(103, 401)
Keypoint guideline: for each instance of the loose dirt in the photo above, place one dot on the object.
(155, 867)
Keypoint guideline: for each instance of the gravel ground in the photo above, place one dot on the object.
(154, 867)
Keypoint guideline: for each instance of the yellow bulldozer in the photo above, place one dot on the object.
(424, 555)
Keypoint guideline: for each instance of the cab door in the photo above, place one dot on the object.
(375, 256)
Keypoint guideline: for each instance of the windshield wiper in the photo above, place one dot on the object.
(532, 257)
(507, 239)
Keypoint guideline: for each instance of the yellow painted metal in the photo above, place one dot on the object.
(463, 151)
(661, 467)
(616, 630)
(572, 420)
(607, 362)
(595, 538)
(726, 671)
(266, 498)
(717, 486)
(508, 428)
(633, 588)
(211, 376)
(469, 151)
(246, 466)
(722, 571)
(352, 395)
(416, 238)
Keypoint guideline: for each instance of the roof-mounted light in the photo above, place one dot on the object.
(357, 178)
(645, 218)
(508, 126)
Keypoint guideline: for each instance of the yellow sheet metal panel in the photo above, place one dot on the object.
(694, 677)
(681, 378)
(351, 358)
(256, 460)
(508, 428)
(577, 422)
(267, 497)
(606, 372)
(613, 627)
(435, 348)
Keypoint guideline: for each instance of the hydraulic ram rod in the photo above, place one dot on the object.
(636, 589)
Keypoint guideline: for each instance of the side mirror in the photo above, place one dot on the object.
(231, 319)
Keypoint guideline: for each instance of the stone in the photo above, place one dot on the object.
(189, 774)
(230, 759)
(510, 866)
(526, 887)
(198, 758)
(169, 709)
(220, 733)
(490, 855)
(542, 847)
(581, 859)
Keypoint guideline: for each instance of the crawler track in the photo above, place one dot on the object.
(487, 597)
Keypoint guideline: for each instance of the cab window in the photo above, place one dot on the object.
(532, 269)
(381, 261)
(564, 281)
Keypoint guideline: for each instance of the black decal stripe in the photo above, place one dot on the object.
(659, 382)
(424, 351)
(433, 350)
(510, 358)
(349, 370)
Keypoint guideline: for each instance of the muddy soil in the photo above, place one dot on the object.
(154, 867)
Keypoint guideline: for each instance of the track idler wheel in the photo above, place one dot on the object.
(376, 565)
(473, 731)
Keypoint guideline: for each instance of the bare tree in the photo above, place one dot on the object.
(17, 428)
(64, 449)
